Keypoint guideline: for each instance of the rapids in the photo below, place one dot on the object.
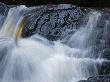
(36, 59)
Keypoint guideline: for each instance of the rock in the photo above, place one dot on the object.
(82, 81)
(3, 9)
(52, 21)
(3, 12)
(106, 53)
(100, 78)
(105, 68)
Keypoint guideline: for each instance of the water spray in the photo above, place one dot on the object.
(20, 29)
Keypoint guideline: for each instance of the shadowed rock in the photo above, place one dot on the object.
(3, 12)
(101, 78)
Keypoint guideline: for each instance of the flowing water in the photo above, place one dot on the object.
(35, 59)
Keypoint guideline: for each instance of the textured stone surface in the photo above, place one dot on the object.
(105, 68)
(101, 78)
(3, 12)
(3, 9)
(52, 21)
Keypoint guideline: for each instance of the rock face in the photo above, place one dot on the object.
(101, 78)
(3, 9)
(3, 12)
(52, 21)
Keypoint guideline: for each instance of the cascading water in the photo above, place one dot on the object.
(12, 22)
(35, 59)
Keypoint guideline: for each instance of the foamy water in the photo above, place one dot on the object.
(35, 59)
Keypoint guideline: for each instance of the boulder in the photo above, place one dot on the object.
(54, 21)
(101, 78)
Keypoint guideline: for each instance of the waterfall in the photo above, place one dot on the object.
(13, 21)
(36, 59)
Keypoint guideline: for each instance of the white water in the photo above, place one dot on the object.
(35, 59)
(13, 20)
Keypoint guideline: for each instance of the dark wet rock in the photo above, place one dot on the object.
(3, 9)
(106, 53)
(3, 12)
(82, 81)
(100, 78)
(105, 68)
(52, 21)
